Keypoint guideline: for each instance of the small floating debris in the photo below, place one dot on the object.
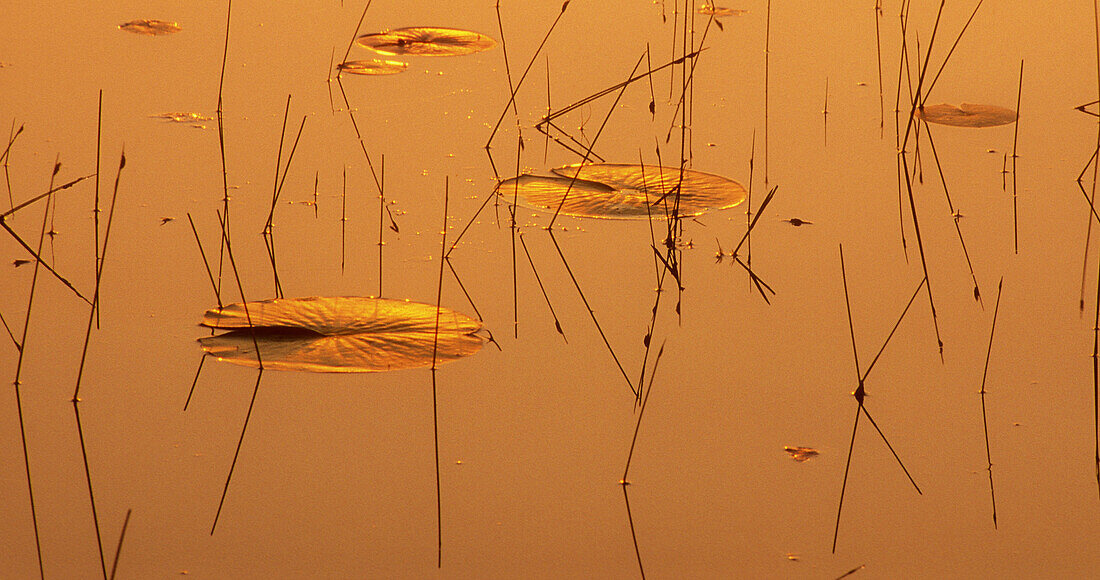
(373, 66)
(344, 334)
(798, 222)
(966, 115)
(182, 117)
(426, 41)
(801, 454)
(17, 262)
(150, 27)
(611, 190)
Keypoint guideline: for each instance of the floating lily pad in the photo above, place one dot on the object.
(610, 190)
(373, 66)
(719, 11)
(345, 334)
(150, 27)
(426, 41)
(183, 117)
(966, 115)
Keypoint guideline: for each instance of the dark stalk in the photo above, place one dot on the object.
(1096, 321)
(267, 234)
(512, 213)
(767, 52)
(507, 67)
(355, 34)
(95, 207)
(1015, 136)
(860, 392)
(1088, 231)
(37, 254)
(825, 115)
(18, 395)
(240, 442)
(435, 399)
(205, 262)
(557, 323)
(512, 98)
(221, 149)
(91, 494)
(381, 210)
(591, 146)
(546, 139)
(633, 534)
(259, 361)
(607, 91)
(638, 425)
(198, 372)
(649, 75)
(748, 208)
(954, 212)
(12, 135)
(985, 420)
(592, 313)
(850, 572)
(878, 54)
(52, 190)
(343, 219)
(470, 299)
(363, 145)
(121, 537)
(891, 448)
(949, 52)
(92, 316)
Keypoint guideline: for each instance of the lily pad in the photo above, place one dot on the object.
(611, 190)
(373, 66)
(150, 27)
(183, 117)
(345, 334)
(719, 11)
(426, 41)
(801, 454)
(966, 115)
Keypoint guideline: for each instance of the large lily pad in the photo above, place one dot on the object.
(150, 27)
(966, 115)
(345, 334)
(426, 41)
(611, 190)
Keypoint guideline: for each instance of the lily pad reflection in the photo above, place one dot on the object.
(610, 190)
(346, 334)
(373, 66)
(150, 27)
(426, 41)
(966, 115)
